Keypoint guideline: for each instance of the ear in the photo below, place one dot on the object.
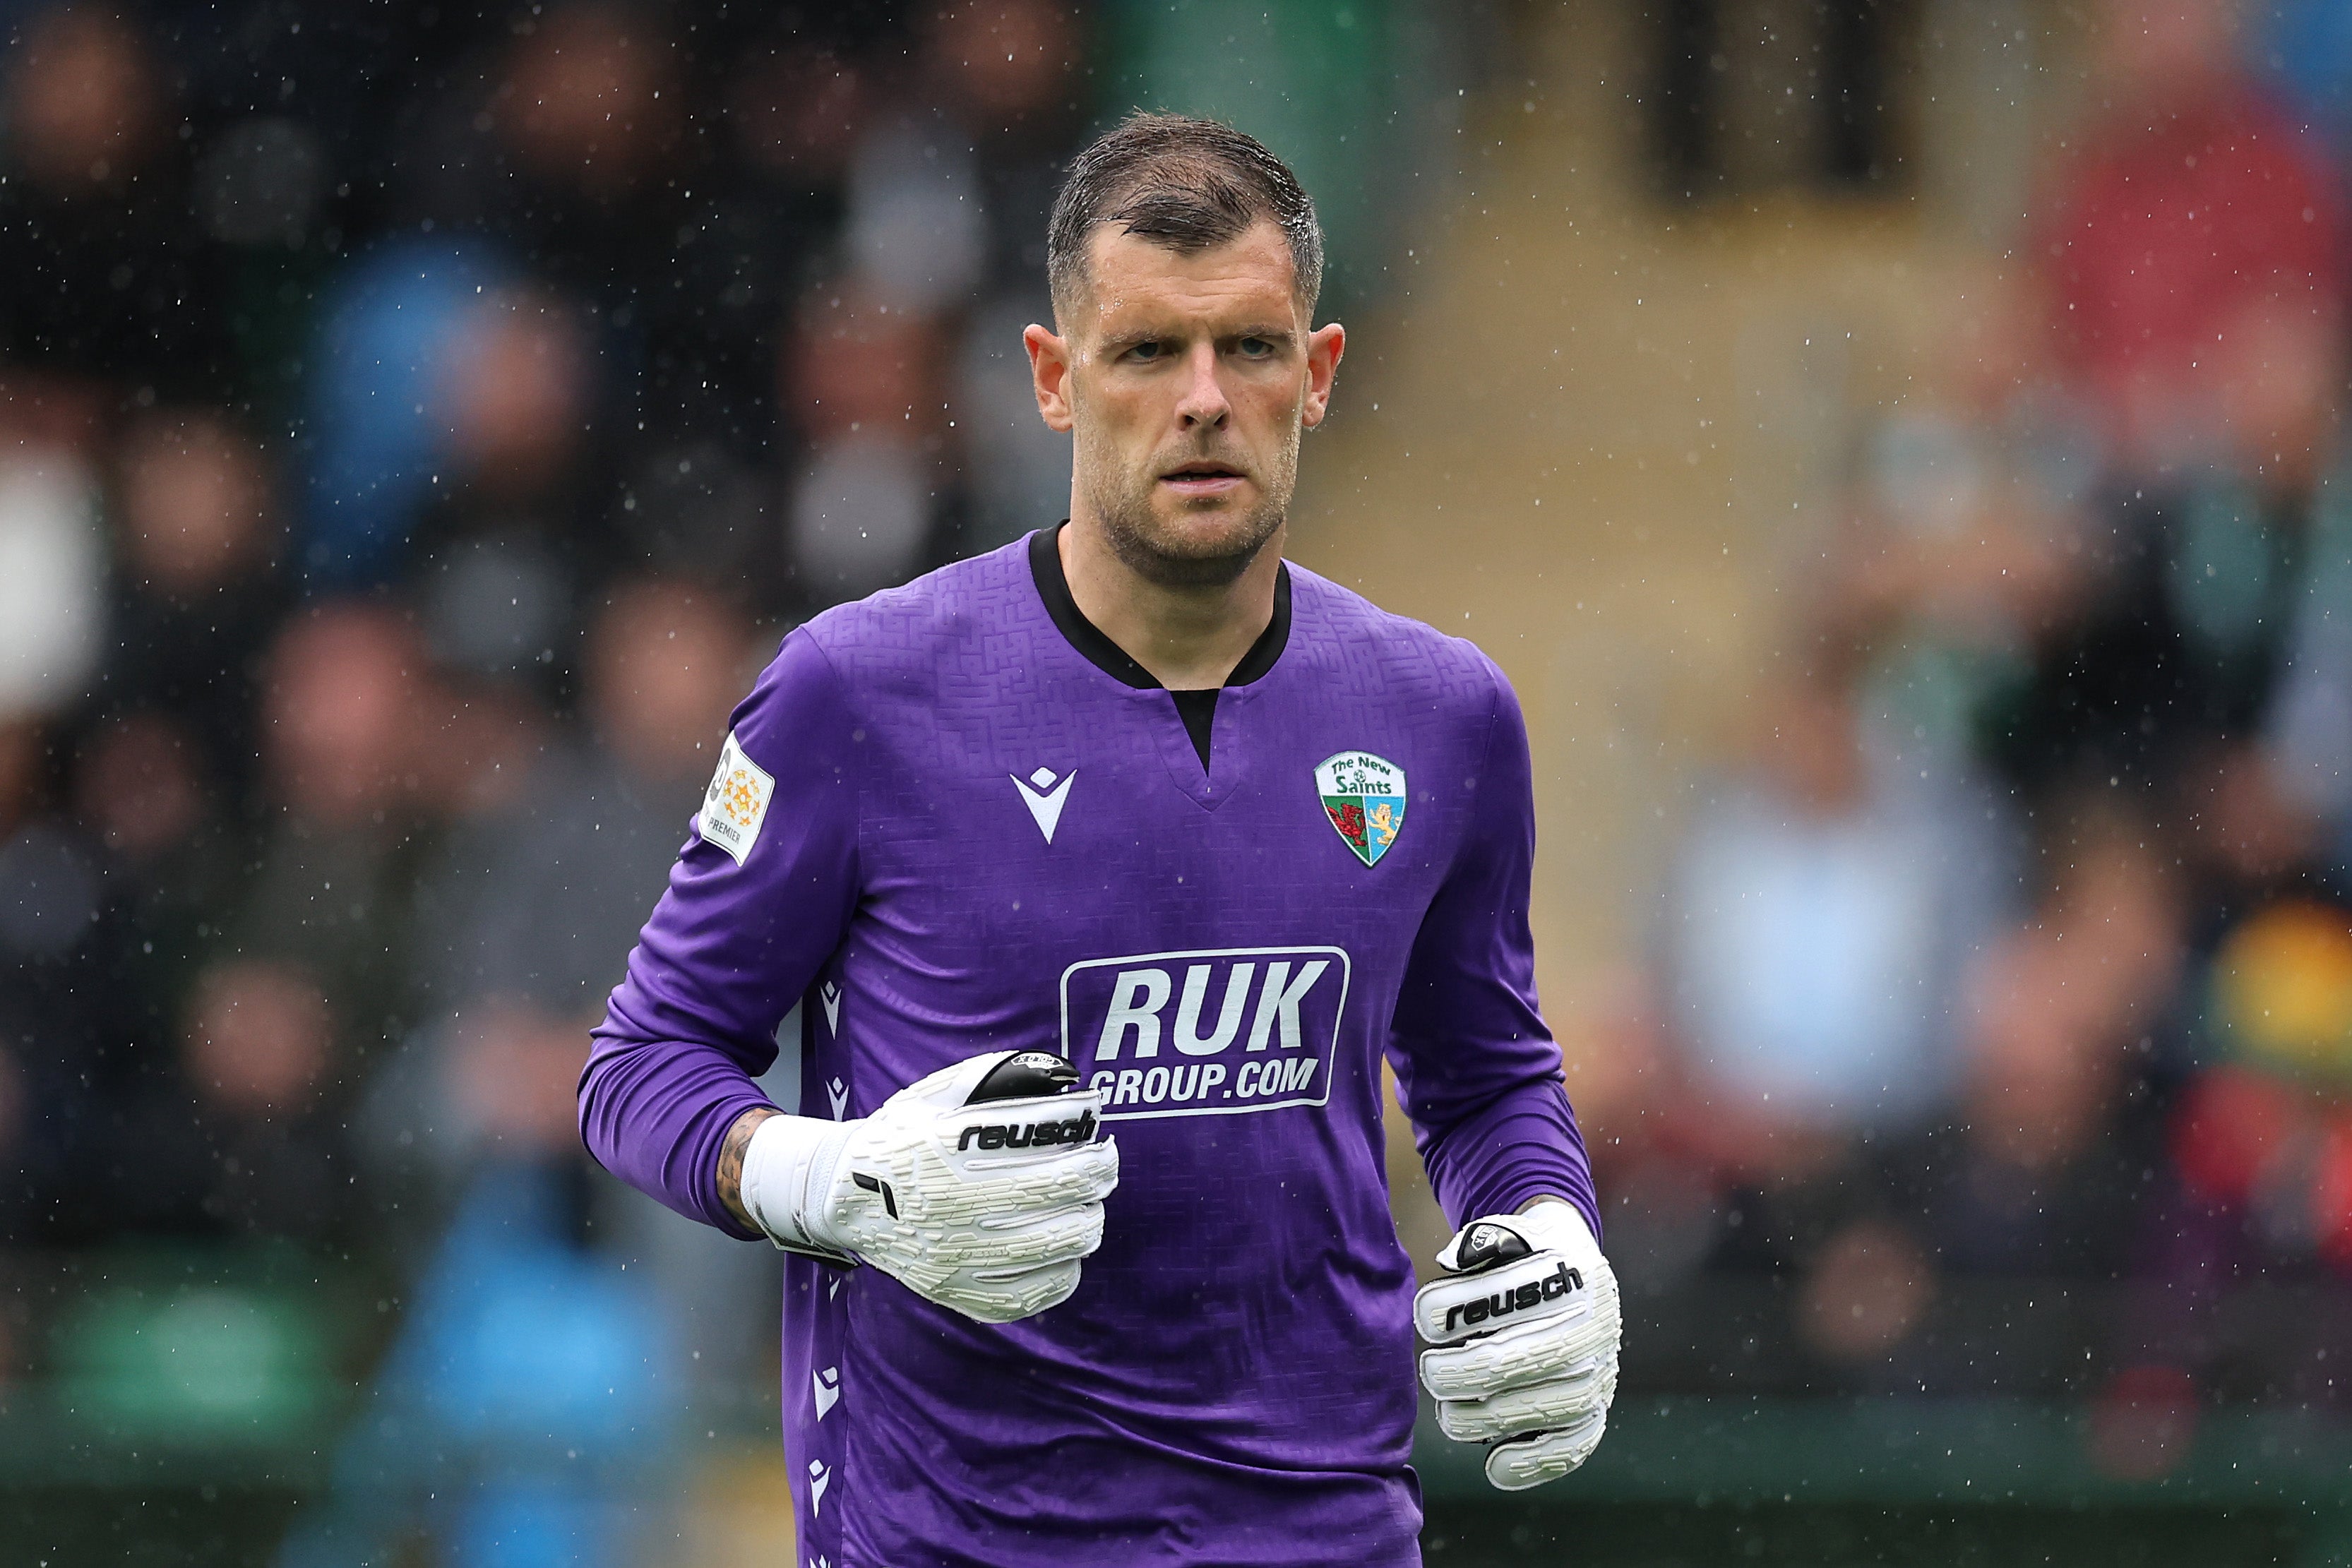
(1324, 347)
(1049, 374)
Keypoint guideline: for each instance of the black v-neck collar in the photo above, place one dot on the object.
(1197, 709)
(1054, 587)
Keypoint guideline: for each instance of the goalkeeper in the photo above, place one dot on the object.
(1107, 867)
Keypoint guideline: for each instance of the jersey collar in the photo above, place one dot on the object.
(1094, 644)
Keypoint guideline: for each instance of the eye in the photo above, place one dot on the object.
(1150, 349)
(1255, 348)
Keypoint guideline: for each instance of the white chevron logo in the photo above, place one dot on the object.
(819, 1478)
(838, 1093)
(827, 1385)
(833, 1287)
(1044, 797)
(830, 994)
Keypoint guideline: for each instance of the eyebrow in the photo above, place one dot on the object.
(1285, 336)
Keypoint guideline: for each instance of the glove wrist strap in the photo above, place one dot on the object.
(788, 1175)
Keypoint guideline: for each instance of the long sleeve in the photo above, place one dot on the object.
(741, 933)
(1478, 1071)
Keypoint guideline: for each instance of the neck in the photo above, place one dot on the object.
(1189, 638)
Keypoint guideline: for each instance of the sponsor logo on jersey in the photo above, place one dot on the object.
(736, 803)
(1363, 795)
(1205, 1033)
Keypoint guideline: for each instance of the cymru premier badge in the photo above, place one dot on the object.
(1364, 797)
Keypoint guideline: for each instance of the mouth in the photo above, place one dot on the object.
(1204, 479)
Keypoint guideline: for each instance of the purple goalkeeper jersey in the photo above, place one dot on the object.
(952, 819)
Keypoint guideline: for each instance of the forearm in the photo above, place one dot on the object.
(731, 1163)
(659, 1115)
(1514, 1150)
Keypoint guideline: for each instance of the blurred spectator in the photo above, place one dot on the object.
(1817, 926)
(1965, 540)
(2259, 1184)
(173, 851)
(583, 845)
(261, 182)
(515, 401)
(528, 924)
(390, 330)
(1011, 73)
(2041, 1172)
(2194, 263)
(697, 511)
(69, 1036)
(2189, 211)
(107, 280)
(52, 578)
(1007, 67)
(584, 99)
(196, 590)
(797, 106)
(2264, 1130)
(1017, 471)
(500, 556)
(263, 1151)
(860, 375)
(525, 1412)
(84, 102)
(343, 714)
(797, 112)
(2037, 1169)
(2179, 635)
(915, 232)
(2305, 45)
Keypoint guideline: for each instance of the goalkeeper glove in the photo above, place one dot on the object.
(1525, 1326)
(978, 1187)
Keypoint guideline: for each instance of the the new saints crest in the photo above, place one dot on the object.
(1364, 797)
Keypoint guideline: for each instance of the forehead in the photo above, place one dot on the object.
(1132, 279)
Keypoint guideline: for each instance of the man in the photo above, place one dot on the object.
(1129, 828)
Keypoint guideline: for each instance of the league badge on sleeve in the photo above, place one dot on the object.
(736, 803)
(1364, 797)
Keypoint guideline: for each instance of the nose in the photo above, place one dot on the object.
(1203, 405)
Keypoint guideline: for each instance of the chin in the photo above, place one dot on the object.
(1206, 528)
(1191, 546)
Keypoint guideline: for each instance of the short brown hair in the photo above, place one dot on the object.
(1187, 183)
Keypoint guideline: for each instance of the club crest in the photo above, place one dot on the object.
(1364, 797)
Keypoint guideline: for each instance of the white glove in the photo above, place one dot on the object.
(978, 1187)
(1526, 1329)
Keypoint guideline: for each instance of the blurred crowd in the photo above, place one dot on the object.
(1998, 1031)
(417, 425)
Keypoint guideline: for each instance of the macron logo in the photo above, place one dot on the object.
(1044, 797)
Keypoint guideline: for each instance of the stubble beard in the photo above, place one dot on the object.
(1168, 554)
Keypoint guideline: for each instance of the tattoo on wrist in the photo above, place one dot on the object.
(731, 1163)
